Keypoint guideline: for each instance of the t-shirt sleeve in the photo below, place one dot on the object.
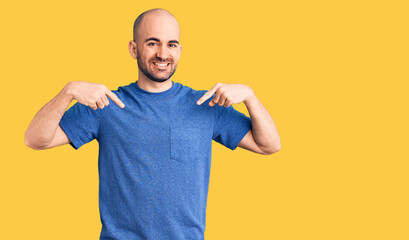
(230, 126)
(81, 124)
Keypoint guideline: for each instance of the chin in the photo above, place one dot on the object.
(159, 80)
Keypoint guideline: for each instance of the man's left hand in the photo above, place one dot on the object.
(227, 94)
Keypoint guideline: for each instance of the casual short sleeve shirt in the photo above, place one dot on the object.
(154, 158)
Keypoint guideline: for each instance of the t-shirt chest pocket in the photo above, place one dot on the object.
(189, 142)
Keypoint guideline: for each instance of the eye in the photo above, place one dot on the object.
(151, 44)
(172, 45)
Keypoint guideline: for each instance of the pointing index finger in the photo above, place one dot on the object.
(208, 94)
(114, 98)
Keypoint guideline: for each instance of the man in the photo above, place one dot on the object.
(155, 141)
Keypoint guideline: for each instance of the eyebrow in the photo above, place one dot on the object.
(157, 40)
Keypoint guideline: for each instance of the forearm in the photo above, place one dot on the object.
(44, 125)
(264, 131)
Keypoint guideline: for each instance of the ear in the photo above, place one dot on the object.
(132, 49)
(180, 51)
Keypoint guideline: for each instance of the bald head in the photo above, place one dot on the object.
(149, 15)
(155, 45)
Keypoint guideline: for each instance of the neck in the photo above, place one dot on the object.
(152, 86)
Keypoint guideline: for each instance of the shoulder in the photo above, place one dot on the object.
(188, 89)
(123, 90)
(193, 93)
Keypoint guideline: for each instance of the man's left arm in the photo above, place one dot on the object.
(263, 138)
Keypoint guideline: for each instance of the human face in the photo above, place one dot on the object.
(158, 49)
(156, 60)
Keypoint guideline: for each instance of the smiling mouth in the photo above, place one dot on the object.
(161, 64)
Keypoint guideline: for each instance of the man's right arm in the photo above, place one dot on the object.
(44, 130)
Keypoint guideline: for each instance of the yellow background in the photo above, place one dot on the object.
(332, 74)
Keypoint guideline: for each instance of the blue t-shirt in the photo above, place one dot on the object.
(154, 159)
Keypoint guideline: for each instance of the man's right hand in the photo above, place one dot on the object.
(93, 95)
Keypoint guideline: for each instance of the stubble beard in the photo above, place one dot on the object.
(144, 68)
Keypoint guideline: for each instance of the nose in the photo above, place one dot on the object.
(162, 53)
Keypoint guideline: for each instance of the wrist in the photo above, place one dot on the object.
(251, 97)
(66, 92)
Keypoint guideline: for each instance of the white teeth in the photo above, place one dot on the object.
(161, 65)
